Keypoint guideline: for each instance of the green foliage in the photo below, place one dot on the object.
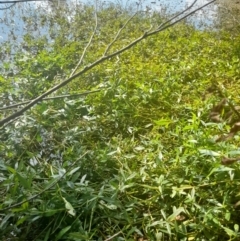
(138, 158)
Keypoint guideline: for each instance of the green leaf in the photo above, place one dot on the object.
(23, 181)
(139, 148)
(230, 232)
(236, 227)
(62, 232)
(11, 170)
(46, 238)
(163, 122)
(69, 207)
(21, 220)
(209, 152)
(78, 236)
(220, 169)
(175, 213)
(73, 171)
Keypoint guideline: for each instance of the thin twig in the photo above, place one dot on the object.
(8, 6)
(110, 238)
(177, 15)
(118, 33)
(49, 98)
(97, 62)
(47, 188)
(88, 44)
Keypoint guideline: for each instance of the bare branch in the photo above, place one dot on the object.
(88, 44)
(8, 6)
(186, 16)
(118, 33)
(49, 98)
(98, 61)
(177, 15)
(113, 236)
(21, 1)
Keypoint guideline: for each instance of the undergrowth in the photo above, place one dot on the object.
(138, 160)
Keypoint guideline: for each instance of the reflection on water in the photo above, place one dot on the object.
(11, 24)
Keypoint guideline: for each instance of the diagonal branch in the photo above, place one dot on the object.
(101, 60)
(49, 98)
(113, 236)
(179, 14)
(118, 33)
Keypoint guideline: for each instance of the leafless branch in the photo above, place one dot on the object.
(8, 6)
(146, 34)
(49, 98)
(88, 44)
(115, 235)
(118, 33)
(179, 14)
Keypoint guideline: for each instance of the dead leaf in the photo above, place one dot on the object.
(225, 137)
(180, 218)
(228, 161)
(211, 88)
(236, 204)
(215, 118)
(235, 128)
(219, 107)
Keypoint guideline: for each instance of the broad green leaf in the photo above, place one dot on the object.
(220, 169)
(163, 122)
(230, 232)
(175, 214)
(46, 238)
(11, 170)
(236, 227)
(83, 178)
(73, 171)
(69, 207)
(25, 182)
(21, 220)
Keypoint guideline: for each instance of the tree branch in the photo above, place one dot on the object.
(113, 236)
(179, 14)
(88, 44)
(49, 98)
(117, 35)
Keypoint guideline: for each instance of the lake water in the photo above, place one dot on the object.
(201, 19)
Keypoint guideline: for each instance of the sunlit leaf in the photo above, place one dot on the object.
(69, 207)
(209, 153)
